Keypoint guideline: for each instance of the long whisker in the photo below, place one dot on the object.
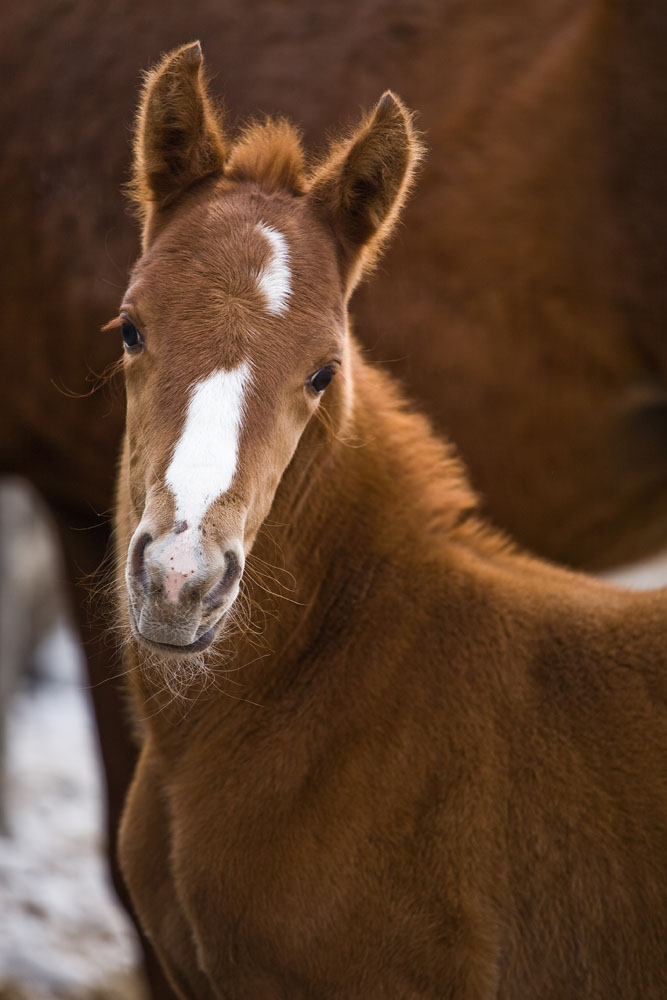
(101, 379)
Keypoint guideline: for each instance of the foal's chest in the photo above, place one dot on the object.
(292, 864)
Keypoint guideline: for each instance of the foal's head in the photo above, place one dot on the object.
(234, 326)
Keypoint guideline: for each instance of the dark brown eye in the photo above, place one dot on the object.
(131, 337)
(318, 382)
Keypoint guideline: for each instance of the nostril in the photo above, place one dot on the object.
(137, 563)
(218, 592)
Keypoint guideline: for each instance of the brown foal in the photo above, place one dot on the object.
(438, 768)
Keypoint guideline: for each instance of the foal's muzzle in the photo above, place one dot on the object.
(178, 593)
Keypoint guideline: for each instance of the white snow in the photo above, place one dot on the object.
(62, 933)
(649, 574)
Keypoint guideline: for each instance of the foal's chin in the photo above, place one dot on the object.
(176, 651)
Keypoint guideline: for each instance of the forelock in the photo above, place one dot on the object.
(269, 153)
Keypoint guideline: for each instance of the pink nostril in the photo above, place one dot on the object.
(177, 561)
(137, 563)
(174, 581)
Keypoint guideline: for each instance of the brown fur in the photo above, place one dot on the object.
(271, 154)
(443, 773)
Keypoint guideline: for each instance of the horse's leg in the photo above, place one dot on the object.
(85, 550)
(144, 851)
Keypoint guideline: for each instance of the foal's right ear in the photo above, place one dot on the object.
(178, 140)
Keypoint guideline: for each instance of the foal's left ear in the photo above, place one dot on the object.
(178, 139)
(361, 187)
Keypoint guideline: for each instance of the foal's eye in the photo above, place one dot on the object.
(318, 382)
(131, 337)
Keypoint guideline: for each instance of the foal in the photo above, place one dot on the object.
(441, 769)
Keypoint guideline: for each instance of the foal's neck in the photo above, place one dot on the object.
(358, 499)
(378, 485)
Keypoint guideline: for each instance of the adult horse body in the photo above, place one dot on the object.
(443, 773)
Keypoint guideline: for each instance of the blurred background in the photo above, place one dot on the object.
(62, 930)
(522, 303)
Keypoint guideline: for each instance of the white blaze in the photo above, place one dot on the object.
(204, 460)
(275, 279)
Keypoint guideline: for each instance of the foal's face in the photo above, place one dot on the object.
(234, 325)
(235, 329)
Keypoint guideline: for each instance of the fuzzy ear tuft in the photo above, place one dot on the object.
(269, 153)
(361, 186)
(178, 139)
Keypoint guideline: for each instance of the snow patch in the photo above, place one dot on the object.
(62, 933)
